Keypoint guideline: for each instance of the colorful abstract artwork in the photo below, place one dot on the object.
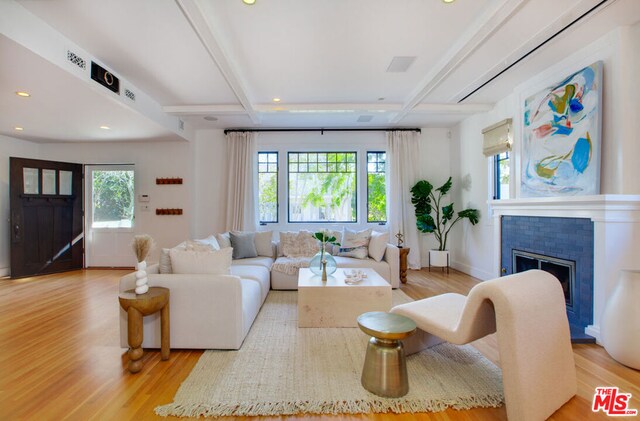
(561, 137)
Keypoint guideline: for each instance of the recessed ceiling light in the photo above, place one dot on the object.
(448, 1)
(276, 100)
(210, 118)
(105, 127)
(23, 94)
(18, 128)
(249, 2)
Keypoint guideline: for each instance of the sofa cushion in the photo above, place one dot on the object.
(378, 245)
(260, 274)
(263, 243)
(265, 262)
(164, 265)
(244, 244)
(201, 262)
(355, 244)
(299, 244)
(211, 241)
(223, 239)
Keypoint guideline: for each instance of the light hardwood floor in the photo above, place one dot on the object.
(60, 356)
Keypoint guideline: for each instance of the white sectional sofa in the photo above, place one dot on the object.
(206, 311)
(217, 311)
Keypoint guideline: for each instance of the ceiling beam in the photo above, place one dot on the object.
(198, 22)
(485, 26)
(185, 110)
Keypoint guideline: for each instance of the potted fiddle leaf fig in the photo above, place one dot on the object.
(431, 217)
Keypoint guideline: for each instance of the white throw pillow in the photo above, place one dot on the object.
(355, 244)
(164, 265)
(263, 243)
(378, 245)
(224, 240)
(210, 240)
(201, 262)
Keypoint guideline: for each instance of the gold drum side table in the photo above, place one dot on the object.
(385, 367)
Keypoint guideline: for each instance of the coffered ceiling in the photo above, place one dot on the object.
(325, 60)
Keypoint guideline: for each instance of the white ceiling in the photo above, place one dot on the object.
(325, 59)
(66, 110)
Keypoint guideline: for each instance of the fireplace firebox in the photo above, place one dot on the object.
(564, 270)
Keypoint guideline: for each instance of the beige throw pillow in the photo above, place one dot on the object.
(355, 244)
(263, 243)
(298, 244)
(201, 262)
(378, 245)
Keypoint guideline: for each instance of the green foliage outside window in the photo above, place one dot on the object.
(376, 188)
(113, 195)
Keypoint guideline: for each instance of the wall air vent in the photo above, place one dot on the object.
(129, 94)
(365, 118)
(76, 59)
(180, 125)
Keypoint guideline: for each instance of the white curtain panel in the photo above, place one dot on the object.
(403, 171)
(242, 191)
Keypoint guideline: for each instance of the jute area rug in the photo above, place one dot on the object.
(284, 370)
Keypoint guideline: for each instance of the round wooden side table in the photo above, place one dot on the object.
(137, 306)
(385, 366)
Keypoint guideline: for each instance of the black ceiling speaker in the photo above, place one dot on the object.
(105, 78)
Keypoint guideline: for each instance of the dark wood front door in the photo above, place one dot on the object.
(47, 227)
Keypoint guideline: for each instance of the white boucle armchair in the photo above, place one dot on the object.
(528, 312)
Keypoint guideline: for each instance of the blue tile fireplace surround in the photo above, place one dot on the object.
(568, 239)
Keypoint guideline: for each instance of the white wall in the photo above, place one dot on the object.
(472, 247)
(10, 147)
(151, 160)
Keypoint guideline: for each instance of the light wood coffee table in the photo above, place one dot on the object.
(337, 304)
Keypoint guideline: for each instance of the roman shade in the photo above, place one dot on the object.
(497, 138)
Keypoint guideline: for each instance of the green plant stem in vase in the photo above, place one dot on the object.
(323, 262)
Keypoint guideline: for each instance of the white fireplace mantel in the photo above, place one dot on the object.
(606, 207)
(616, 246)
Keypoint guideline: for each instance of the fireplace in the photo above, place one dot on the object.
(562, 247)
(564, 270)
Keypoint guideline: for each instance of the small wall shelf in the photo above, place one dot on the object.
(175, 211)
(169, 180)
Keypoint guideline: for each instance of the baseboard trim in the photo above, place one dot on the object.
(470, 270)
(594, 330)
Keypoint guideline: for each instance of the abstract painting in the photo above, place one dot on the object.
(561, 137)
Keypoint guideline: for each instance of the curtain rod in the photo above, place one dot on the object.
(322, 130)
